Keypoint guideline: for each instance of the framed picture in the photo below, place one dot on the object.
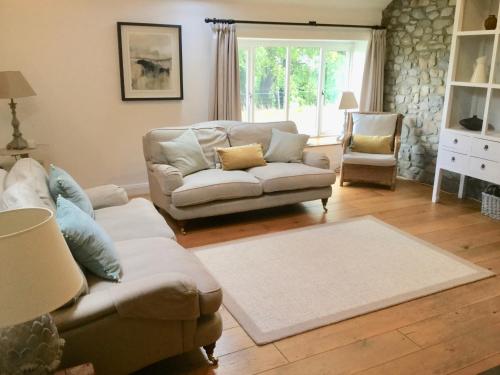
(150, 61)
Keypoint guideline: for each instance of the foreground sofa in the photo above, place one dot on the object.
(166, 303)
(214, 191)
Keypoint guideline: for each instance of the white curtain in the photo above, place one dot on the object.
(372, 92)
(225, 82)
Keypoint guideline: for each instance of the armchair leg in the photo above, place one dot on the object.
(209, 349)
(324, 201)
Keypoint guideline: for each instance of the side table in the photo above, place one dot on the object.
(17, 154)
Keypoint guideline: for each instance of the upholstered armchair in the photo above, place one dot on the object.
(379, 168)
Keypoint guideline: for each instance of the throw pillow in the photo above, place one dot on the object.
(91, 246)
(286, 147)
(241, 157)
(29, 168)
(185, 153)
(61, 183)
(371, 144)
(21, 194)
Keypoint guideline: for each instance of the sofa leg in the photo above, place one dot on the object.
(324, 201)
(209, 349)
(182, 226)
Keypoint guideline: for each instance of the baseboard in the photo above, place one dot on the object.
(137, 189)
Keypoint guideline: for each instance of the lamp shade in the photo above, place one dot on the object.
(348, 101)
(14, 85)
(37, 271)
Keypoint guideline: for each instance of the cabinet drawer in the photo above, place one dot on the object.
(452, 161)
(455, 142)
(485, 149)
(484, 169)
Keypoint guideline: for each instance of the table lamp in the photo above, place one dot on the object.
(347, 101)
(14, 85)
(37, 275)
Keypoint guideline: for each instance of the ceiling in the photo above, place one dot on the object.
(356, 4)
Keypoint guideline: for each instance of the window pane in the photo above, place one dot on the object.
(304, 76)
(336, 73)
(269, 84)
(243, 59)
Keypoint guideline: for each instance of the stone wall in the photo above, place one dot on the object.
(419, 36)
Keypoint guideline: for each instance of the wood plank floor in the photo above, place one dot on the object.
(453, 332)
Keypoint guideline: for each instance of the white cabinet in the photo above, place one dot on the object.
(474, 153)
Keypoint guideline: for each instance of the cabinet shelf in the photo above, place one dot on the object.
(470, 84)
(477, 32)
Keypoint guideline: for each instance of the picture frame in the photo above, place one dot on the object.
(150, 61)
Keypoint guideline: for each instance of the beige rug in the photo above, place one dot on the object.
(283, 284)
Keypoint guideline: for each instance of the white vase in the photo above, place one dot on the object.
(479, 75)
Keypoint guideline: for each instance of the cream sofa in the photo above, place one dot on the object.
(165, 305)
(214, 191)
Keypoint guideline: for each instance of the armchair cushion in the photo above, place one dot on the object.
(107, 196)
(372, 144)
(168, 177)
(361, 158)
(374, 123)
(316, 159)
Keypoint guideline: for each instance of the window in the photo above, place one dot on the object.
(301, 81)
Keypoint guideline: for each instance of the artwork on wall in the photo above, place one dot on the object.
(150, 61)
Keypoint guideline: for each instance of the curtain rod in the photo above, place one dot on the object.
(310, 23)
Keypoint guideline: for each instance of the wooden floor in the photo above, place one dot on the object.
(453, 332)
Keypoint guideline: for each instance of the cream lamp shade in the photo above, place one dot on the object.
(348, 101)
(37, 271)
(14, 85)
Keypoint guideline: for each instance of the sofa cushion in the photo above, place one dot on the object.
(29, 168)
(136, 219)
(286, 147)
(146, 257)
(292, 176)
(215, 184)
(374, 124)
(185, 153)
(379, 160)
(20, 195)
(247, 133)
(241, 157)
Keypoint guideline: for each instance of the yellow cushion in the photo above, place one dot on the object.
(241, 157)
(372, 144)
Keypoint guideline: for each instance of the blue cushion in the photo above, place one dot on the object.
(90, 245)
(61, 183)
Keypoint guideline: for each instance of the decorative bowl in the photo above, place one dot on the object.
(472, 123)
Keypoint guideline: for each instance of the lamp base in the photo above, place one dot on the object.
(18, 142)
(30, 348)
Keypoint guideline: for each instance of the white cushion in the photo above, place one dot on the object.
(360, 158)
(20, 195)
(374, 124)
(30, 168)
(3, 174)
(215, 184)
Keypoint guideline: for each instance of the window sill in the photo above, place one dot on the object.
(323, 141)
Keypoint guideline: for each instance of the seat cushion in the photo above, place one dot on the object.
(379, 160)
(146, 257)
(136, 219)
(292, 176)
(215, 184)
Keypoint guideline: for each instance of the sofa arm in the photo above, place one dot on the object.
(167, 296)
(316, 159)
(107, 196)
(169, 178)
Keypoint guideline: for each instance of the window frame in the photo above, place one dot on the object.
(250, 44)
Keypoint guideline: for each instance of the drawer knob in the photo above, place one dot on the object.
(452, 158)
(455, 141)
(486, 147)
(483, 166)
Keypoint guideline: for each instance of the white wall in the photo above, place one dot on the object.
(67, 49)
